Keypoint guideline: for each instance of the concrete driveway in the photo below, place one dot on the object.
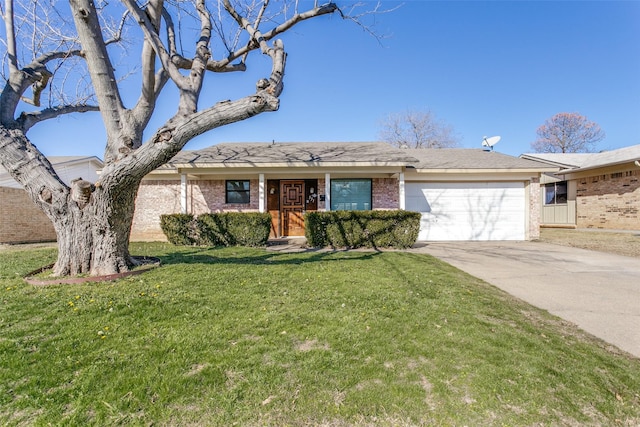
(599, 292)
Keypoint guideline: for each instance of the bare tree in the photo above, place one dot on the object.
(43, 51)
(417, 129)
(567, 133)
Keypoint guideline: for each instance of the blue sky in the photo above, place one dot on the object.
(485, 67)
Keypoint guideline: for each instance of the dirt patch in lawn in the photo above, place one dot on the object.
(627, 244)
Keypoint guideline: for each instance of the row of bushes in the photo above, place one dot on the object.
(338, 229)
(357, 229)
(224, 229)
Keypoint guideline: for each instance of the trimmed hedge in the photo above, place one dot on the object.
(179, 228)
(357, 229)
(224, 229)
(234, 229)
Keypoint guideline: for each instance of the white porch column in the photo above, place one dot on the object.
(261, 194)
(402, 193)
(183, 193)
(327, 192)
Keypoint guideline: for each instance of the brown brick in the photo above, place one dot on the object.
(21, 221)
(610, 201)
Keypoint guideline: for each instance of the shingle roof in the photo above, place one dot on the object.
(589, 160)
(286, 153)
(465, 158)
(349, 153)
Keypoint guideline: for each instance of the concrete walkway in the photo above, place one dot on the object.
(599, 292)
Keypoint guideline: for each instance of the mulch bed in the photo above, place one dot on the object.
(147, 263)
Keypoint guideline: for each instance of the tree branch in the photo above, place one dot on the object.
(34, 74)
(152, 82)
(179, 130)
(259, 38)
(12, 50)
(32, 170)
(153, 39)
(189, 94)
(99, 64)
(28, 120)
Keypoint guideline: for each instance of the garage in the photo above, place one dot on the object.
(469, 210)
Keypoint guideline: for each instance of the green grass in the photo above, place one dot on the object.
(246, 337)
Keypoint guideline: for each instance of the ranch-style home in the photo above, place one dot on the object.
(462, 194)
(591, 190)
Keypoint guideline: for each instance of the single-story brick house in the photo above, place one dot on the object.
(591, 190)
(20, 220)
(463, 194)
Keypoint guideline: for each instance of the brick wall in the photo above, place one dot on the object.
(386, 193)
(209, 196)
(154, 198)
(20, 220)
(609, 201)
(534, 208)
(158, 197)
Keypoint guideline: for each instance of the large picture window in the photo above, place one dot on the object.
(555, 193)
(350, 194)
(237, 192)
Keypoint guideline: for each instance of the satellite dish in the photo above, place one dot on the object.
(637, 162)
(490, 141)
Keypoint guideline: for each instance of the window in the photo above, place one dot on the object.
(237, 192)
(555, 193)
(350, 194)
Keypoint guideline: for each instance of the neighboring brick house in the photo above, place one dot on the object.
(21, 221)
(463, 194)
(592, 190)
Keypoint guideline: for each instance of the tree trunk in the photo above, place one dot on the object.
(93, 238)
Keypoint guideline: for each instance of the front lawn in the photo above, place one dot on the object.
(247, 337)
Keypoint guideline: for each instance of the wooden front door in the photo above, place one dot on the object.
(292, 207)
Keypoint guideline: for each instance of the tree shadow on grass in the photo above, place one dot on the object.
(224, 257)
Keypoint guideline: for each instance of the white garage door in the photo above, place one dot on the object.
(468, 210)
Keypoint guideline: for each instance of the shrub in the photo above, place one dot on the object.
(234, 228)
(355, 229)
(179, 228)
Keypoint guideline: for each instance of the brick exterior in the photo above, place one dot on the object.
(209, 196)
(163, 197)
(534, 208)
(609, 201)
(154, 198)
(158, 197)
(20, 220)
(386, 193)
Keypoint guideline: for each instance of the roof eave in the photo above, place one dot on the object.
(600, 166)
(93, 159)
(550, 162)
(487, 170)
(301, 164)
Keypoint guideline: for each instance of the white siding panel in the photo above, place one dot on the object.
(469, 210)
